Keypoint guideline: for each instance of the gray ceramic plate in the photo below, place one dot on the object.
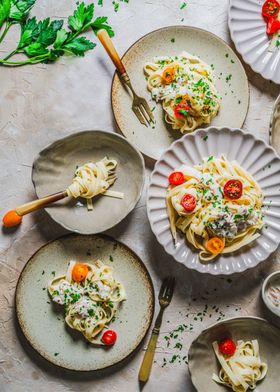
(53, 171)
(202, 359)
(232, 84)
(43, 325)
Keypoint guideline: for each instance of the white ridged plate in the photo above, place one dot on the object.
(248, 32)
(252, 154)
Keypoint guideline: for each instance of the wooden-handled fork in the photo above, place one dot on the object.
(165, 297)
(14, 217)
(139, 104)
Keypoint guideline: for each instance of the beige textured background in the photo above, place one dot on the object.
(41, 103)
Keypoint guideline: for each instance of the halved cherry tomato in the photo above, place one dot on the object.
(215, 245)
(109, 337)
(169, 75)
(181, 110)
(233, 189)
(176, 178)
(11, 219)
(227, 347)
(188, 202)
(270, 8)
(79, 272)
(273, 25)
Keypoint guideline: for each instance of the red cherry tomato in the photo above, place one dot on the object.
(227, 347)
(270, 8)
(233, 189)
(273, 25)
(176, 178)
(109, 337)
(188, 202)
(181, 110)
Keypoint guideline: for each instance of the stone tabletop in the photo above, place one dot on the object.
(41, 103)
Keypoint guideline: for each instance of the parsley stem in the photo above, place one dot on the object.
(8, 25)
(10, 55)
(32, 60)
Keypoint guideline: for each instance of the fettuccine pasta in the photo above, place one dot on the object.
(216, 204)
(185, 85)
(90, 295)
(93, 179)
(242, 370)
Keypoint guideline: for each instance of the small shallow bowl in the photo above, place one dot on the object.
(203, 362)
(255, 156)
(273, 278)
(54, 168)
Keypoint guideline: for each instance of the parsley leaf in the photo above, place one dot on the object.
(102, 23)
(5, 6)
(78, 46)
(81, 17)
(19, 9)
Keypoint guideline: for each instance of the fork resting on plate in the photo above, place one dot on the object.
(139, 104)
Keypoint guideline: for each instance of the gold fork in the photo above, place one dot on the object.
(139, 105)
(165, 297)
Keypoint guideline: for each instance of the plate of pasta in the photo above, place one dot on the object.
(213, 200)
(237, 354)
(94, 168)
(82, 290)
(190, 78)
(255, 30)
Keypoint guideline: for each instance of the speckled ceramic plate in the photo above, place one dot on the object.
(44, 326)
(252, 154)
(203, 362)
(248, 32)
(172, 41)
(54, 168)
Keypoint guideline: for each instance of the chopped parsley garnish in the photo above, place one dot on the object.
(183, 5)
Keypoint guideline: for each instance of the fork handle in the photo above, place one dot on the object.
(39, 203)
(111, 50)
(146, 367)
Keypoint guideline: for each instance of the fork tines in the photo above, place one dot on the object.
(167, 289)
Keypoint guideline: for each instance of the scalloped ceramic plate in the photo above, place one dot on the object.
(203, 362)
(54, 168)
(248, 32)
(252, 154)
(172, 40)
(43, 324)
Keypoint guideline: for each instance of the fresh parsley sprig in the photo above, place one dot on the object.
(47, 40)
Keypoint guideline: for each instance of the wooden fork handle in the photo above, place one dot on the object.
(40, 203)
(146, 367)
(111, 50)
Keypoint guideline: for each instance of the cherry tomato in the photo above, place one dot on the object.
(233, 189)
(215, 245)
(79, 272)
(181, 110)
(169, 75)
(109, 337)
(270, 8)
(273, 25)
(227, 347)
(188, 202)
(11, 219)
(176, 178)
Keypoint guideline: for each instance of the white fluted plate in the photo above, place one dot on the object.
(248, 32)
(254, 155)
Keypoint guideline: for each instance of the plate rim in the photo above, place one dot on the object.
(170, 148)
(237, 46)
(190, 351)
(143, 268)
(76, 134)
(183, 27)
